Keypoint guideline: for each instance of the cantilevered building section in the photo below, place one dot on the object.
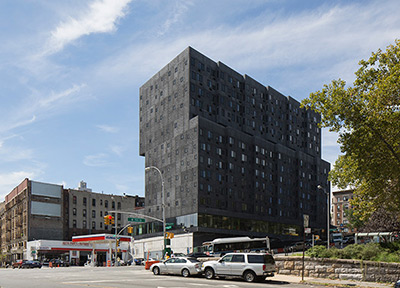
(237, 157)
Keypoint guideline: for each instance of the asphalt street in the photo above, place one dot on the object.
(120, 277)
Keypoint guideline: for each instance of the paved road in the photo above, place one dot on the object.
(119, 277)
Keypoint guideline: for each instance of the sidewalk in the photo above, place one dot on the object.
(329, 282)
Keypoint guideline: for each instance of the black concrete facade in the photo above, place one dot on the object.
(237, 157)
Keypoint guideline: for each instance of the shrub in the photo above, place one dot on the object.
(370, 251)
(318, 252)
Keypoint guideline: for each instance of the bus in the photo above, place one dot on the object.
(220, 246)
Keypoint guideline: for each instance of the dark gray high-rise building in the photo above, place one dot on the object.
(237, 157)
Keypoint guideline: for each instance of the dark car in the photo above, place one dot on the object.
(31, 264)
(18, 263)
(58, 263)
(198, 255)
(139, 261)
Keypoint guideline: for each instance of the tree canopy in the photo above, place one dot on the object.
(367, 119)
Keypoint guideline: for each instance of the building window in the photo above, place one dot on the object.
(84, 212)
(94, 202)
(84, 224)
(113, 205)
(93, 225)
(119, 205)
(93, 213)
(74, 211)
(105, 203)
(74, 200)
(84, 201)
(74, 224)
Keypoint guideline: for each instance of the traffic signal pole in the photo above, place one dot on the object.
(116, 241)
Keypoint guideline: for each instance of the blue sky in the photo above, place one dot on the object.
(70, 71)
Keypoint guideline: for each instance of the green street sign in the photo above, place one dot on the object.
(168, 227)
(137, 220)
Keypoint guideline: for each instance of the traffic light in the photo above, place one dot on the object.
(130, 230)
(117, 242)
(108, 220)
(168, 235)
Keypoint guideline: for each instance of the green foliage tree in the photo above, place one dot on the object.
(367, 118)
(354, 221)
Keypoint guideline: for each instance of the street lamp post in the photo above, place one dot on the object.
(162, 203)
(328, 212)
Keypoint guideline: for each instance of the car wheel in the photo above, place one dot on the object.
(249, 276)
(185, 272)
(156, 271)
(209, 273)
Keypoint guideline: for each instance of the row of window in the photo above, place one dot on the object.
(94, 225)
(85, 202)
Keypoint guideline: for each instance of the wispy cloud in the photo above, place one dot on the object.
(97, 160)
(40, 104)
(60, 98)
(180, 9)
(118, 150)
(14, 154)
(108, 128)
(331, 39)
(101, 17)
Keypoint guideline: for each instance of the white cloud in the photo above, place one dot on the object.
(101, 17)
(9, 181)
(180, 9)
(40, 105)
(60, 98)
(331, 40)
(97, 160)
(118, 150)
(108, 128)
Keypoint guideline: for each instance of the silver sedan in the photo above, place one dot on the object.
(177, 265)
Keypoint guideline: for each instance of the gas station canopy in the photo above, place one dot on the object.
(100, 238)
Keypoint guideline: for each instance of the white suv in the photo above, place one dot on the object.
(250, 266)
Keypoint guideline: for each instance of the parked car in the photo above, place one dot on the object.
(179, 255)
(197, 255)
(249, 266)
(397, 285)
(58, 263)
(18, 264)
(139, 261)
(298, 246)
(177, 265)
(348, 240)
(31, 264)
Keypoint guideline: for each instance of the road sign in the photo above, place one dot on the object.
(137, 220)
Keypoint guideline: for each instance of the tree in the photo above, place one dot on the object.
(367, 118)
